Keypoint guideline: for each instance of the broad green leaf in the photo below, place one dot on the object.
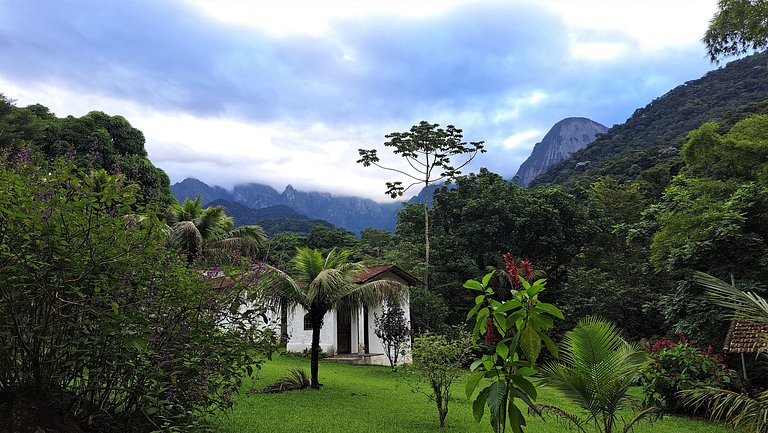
(534, 290)
(551, 309)
(527, 371)
(516, 418)
(502, 350)
(497, 399)
(551, 346)
(472, 383)
(530, 343)
(475, 364)
(509, 305)
(478, 406)
(487, 278)
(473, 285)
(525, 385)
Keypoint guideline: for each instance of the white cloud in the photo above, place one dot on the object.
(597, 51)
(313, 17)
(522, 140)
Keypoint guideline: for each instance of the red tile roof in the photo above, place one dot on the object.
(374, 271)
(744, 337)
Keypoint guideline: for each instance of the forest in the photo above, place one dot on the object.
(124, 310)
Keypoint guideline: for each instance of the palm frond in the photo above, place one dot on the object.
(568, 419)
(281, 289)
(736, 409)
(652, 413)
(213, 221)
(745, 305)
(184, 234)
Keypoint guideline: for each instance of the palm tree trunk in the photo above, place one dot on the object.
(315, 358)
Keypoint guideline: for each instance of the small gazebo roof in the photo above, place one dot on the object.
(372, 272)
(744, 337)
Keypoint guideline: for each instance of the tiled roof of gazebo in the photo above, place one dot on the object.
(744, 337)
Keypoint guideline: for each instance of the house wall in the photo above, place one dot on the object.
(300, 339)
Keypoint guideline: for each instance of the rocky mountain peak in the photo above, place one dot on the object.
(565, 137)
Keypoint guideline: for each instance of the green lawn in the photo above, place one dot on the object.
(373, 399)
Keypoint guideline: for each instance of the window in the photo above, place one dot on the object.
(307, 322)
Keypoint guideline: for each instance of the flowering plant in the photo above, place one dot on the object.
(676, 366)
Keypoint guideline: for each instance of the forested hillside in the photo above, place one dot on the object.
(96, 140)
(646, 147)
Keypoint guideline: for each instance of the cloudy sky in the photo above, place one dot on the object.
(286, 92)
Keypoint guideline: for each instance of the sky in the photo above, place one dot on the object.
(286, 92)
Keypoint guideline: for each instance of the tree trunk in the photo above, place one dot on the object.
(283, 324)
(426, 238)
(315, 358)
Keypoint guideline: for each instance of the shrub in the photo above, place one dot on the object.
(677, 366)
(439, 360)
(98, 318)
(392, 329)
(295, 379)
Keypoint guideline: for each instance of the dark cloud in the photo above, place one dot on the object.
(167, 56)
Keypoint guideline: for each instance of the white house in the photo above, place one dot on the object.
(350, 334)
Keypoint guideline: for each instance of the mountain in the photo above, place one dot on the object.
(565, 137)
(646, 147)
(273, 219)
(351, 213)
(191, 188)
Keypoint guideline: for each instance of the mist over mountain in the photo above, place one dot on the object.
(351, 213)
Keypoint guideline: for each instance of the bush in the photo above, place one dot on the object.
(392, 329)
(100, 319)
(429, 312)
(679, 366)
(439, 360)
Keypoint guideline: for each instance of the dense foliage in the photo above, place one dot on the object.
(98, 318)
(512, 332)
(677, 366)
(94, 141)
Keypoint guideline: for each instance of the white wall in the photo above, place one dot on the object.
(300, 339)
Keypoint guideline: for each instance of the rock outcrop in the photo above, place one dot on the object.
(566, 137)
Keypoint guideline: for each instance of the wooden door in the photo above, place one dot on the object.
(343, 333)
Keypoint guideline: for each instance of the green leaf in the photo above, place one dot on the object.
(478, 406)
(516, 418)
(473, 285)
(487, 278)
(530, 343)
(534, 289)
(551, 346)
(525, 385)
(472, 383)
(509, 305)
(473, 311)
(551, 309)
(497, 399)
(475, 364)
(502, 350)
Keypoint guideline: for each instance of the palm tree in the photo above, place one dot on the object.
(596, 370)
(321, 284)
(739, 410)
(210, 231)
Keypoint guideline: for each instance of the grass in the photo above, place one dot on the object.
(372, 398)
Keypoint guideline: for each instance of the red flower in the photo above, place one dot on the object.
(527, 268)
(513, 274)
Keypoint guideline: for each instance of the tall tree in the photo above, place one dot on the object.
(198, 231)
(428, 150)
(738, 27)
(322, 284)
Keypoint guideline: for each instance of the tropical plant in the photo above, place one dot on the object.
(393, 332)
(295, 379)
(210, 232)
(428, 150)
(738, 27)
(596, 369)
(512, 333)
(748, 412)
(321, 284)
(439, 360)
(100, 320)
(676, 366)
